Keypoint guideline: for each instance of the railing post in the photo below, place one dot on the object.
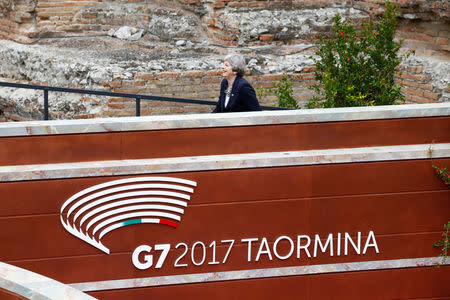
(138, 106)
(45, 104)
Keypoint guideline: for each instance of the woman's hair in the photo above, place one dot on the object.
(237, 63)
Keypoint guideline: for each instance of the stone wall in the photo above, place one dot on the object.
(174, 48)
(182, 82)
(18, 20)
(222, 21)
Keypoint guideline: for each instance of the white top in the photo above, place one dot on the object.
(223, 120)
(227, 97)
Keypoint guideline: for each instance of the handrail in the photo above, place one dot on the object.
(137, 97)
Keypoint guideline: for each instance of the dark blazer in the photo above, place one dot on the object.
(242, 98)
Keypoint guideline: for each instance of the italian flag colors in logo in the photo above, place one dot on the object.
(100, 209)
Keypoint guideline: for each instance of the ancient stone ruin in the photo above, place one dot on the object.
(175, 47)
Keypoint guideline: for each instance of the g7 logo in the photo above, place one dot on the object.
(148, 258)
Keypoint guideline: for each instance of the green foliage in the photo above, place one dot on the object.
(444, 243)
(357, 68)
(283, 90)
(442, 173)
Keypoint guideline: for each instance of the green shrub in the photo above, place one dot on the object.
(283, 90)
(356, 68)
(444, 244)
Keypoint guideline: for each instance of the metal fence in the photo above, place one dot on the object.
(138, 97)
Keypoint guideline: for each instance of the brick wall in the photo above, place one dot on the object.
(417, 9)
(427, 37)
(194, 85)
(190, 84)
(416, 85)
(56, 18)
(424, 25)
(205, 85)
(18, 20)
(423, 21)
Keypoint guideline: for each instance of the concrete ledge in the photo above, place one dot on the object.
(34, 286)
(223, 120)
(222, 162)
(258, 273)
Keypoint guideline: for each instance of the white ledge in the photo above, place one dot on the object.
(223, 120)
(258, 273)
(221, 162)
(34, 286)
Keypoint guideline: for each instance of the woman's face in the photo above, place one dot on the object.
(227, 70)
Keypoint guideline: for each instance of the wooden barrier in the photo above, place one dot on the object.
(242, 206)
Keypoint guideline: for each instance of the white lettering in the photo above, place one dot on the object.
(260, 251)
(305, 247)
(323, 248)
(213, 262)
(250, 240)
(203, 254)
(349, 238)
(177, 261)
(147, 258)
(229, 249)
(165, 250)
(142, 257)
(275, 247)
(338, 244)
(373, 244)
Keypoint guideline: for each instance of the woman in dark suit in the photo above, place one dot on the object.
(236, 94)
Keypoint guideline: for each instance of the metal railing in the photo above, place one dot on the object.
(138, 97)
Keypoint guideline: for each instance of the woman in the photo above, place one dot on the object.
(236, 94)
